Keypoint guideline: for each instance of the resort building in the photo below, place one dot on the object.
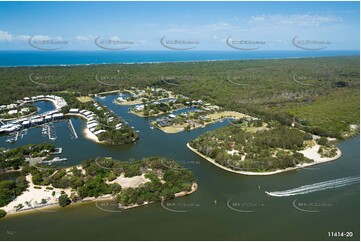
(74, 110)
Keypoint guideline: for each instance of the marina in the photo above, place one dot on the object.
(222, 187)
(38, 119)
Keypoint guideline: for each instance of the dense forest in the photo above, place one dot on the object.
(274, 89)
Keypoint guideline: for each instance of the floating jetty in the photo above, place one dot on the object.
(57, 151)
(14, 136)
(72, 129)
(55, 160)
(49, 130)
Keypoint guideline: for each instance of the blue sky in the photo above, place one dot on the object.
(203, 25)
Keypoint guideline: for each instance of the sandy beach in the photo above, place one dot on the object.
(310, 153)
(127, 182)
(194, 189)
(89, 135)
(31, 199)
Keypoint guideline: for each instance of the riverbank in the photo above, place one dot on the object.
(32, 198)
(309, 153)
(214, 117)
(21, 117)
(54, 102)
(108, 92)
(138, 101)
(177, 195)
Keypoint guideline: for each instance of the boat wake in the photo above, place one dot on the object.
(321, 186)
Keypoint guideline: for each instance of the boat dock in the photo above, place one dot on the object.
(55, 160)
(49, 130)
(72, 129)
(57, 151)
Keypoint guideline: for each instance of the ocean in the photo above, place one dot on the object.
(46, 58)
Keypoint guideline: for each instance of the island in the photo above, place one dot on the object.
(249, 148)
(131, 184)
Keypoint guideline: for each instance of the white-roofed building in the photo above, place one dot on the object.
(58, 116)
(99, 132)
(74, 110)
(92, 125)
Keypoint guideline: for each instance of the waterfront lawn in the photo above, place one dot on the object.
(84, 99)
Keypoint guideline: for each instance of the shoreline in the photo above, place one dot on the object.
(159, 114)
(174, 130)
(267, 173)
(49, 206)
(137, 101)
(35, 112)
(46, 99)
(188, 61)
(107, 92)
(25, 116)
(177, 195)
(86, 132)
(106, 197)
